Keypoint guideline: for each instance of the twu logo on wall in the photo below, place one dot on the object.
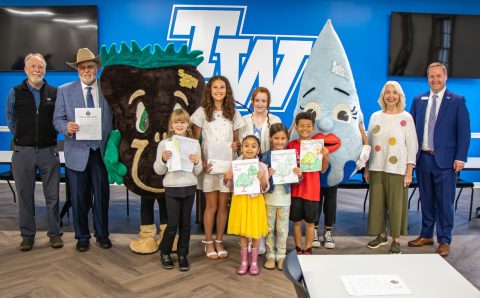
(247, 60)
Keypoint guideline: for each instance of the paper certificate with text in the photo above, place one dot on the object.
(89, 121)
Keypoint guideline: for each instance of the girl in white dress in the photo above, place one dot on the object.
(218, 123)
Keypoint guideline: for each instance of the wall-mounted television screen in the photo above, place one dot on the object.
(418, 39)
(56, 32)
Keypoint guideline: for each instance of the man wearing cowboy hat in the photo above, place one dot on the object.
(84, 158)
(30, 108)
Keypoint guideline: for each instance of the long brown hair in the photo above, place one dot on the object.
(179, 115)
(277, 127)
(208, 103)
(269, 100)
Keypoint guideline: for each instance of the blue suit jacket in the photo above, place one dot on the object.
(69, 97)
(452, 128)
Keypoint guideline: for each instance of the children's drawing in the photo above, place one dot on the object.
(283, 162)
(174, 163)
(311, 155)
(186, 146)
(245, 179)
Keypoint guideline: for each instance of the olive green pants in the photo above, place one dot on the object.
(388, 202)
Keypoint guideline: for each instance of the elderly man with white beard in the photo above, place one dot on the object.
(30, 107)
(84, 165)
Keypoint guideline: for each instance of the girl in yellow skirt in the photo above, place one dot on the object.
(248, 216)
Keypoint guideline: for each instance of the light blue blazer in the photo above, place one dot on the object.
(69, 97)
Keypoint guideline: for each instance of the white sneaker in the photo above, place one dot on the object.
(261, 248)
(316, 241)
(328, 239)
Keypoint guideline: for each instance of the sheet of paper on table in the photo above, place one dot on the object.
(375, 285)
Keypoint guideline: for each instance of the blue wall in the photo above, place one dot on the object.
(363, 28)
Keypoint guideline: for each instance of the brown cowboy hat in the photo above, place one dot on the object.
(83, 55)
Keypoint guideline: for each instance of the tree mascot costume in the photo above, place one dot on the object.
(327, 90)
(142, 89)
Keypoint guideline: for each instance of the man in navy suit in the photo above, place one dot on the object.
(85, 169)
(443, 130)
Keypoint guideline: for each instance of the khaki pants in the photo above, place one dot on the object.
(388, 201)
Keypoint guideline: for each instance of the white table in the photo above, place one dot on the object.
(426, 275)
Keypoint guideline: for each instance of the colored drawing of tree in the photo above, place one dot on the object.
(244, 180)
(252, 171)
(308, 160)
(282, 172)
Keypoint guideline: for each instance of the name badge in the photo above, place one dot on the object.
(424, 98)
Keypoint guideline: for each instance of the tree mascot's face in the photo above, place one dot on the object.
(142, 101)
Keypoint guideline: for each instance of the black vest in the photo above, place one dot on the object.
(34, 128)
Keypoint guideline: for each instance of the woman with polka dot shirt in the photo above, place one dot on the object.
(392, 135)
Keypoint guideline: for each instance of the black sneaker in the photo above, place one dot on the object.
(83, 245)
(27, 244)
(183, 263)
(56, 242)
(104, 243)
(166, 261)
(307, 251)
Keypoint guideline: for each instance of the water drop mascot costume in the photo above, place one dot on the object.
(142, 89)
(327, 90)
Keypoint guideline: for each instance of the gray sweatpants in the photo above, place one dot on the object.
(25, 162)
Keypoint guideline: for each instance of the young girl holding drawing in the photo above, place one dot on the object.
(218, 122)
(258, 124)
(248, 217)
(180, 187)
(277, 201)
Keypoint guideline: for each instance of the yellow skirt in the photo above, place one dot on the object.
(248, 216)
